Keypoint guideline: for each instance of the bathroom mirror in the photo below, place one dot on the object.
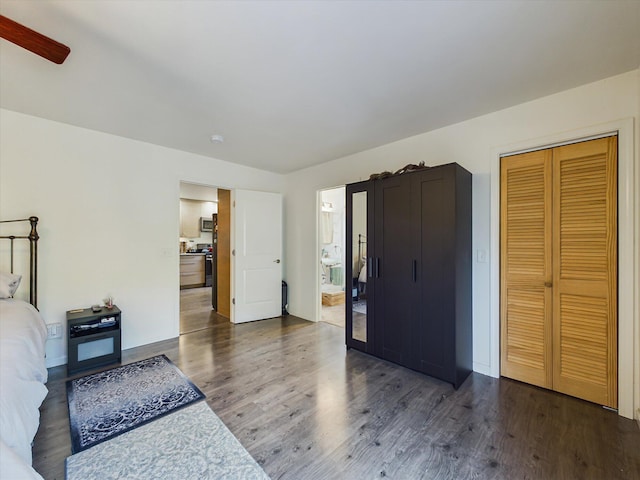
(358, 272)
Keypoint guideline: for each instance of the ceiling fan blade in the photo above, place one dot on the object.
(33, 41)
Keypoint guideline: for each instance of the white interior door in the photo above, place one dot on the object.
(257, 251)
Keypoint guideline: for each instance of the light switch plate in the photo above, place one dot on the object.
(54, 330)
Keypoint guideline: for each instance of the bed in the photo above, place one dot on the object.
(23, 372)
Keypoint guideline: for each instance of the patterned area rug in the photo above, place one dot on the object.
(191, 443)
(109, 403)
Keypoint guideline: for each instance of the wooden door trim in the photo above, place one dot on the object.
(224, 253)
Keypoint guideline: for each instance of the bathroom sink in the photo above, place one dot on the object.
(329, 261)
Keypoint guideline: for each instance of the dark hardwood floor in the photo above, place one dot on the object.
(195, 310)
(306, 408)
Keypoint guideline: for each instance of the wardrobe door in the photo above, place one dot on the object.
(395, 238)
(359, 298)
(584, 273)
(526, 273)
(434, 212)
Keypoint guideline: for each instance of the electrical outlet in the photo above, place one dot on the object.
(54, 330)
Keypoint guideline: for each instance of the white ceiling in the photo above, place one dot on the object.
(291, 84)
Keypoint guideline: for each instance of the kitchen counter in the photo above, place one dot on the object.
(192, 270)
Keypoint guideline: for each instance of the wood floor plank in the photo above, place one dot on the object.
(307, 408)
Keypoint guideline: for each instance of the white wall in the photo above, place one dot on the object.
(97, 195)
(473, 145)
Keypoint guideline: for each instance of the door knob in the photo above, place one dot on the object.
(276, 260)
(548, 284)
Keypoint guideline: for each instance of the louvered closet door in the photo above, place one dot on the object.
(585, 273)
(525, 258)
(559, 269)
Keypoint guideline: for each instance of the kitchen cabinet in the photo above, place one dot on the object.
(190, 213)
(192, 270)
(416, 268)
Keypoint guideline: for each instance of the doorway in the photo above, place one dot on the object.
(199, 273)
(331, 254)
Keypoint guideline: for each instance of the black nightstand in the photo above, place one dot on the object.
(93, 338)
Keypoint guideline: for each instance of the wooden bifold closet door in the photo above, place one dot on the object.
(558, 262)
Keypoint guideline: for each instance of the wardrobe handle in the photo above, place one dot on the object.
(369, 267)
(415, 271)
(378, 267)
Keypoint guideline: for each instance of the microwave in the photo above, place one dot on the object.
(206, 224)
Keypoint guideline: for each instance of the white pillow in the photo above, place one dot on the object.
(9, 284)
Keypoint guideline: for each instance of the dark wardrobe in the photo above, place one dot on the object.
(410, 301)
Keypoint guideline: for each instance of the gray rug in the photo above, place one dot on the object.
(191, 443)
(112, 402)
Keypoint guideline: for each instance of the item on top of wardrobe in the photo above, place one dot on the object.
(410, 167)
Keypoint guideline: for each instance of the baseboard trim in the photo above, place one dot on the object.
(483, 369)
(56, 361)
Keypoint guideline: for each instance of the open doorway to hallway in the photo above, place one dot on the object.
(200, 276)
(331, 241)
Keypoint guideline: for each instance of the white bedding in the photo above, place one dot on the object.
(23, 374)
(362, 278)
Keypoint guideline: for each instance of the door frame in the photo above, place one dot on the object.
(628, 245)
(318, 256)
(200, 184)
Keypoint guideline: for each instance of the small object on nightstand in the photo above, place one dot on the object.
(96, 308)
(108, 302)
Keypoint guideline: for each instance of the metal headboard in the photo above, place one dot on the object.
(33, 255)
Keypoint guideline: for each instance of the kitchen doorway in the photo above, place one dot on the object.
(331, 255)
(200, 276)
